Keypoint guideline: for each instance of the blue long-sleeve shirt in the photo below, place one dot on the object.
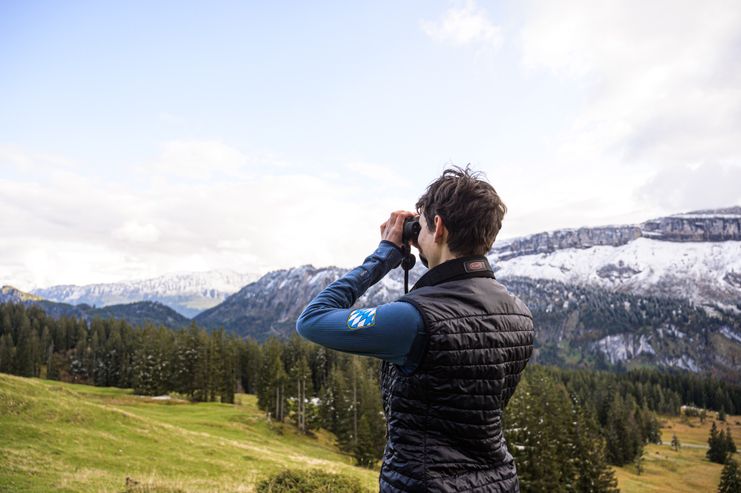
(393, 331)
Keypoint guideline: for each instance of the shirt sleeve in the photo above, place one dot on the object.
(389, 331)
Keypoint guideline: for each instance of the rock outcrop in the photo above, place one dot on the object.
(697, 226)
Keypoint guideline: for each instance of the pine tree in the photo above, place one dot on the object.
(676, 444)
(595, 475)
(300, 375)
(151, 366)
(540, 433)
(371, 429)
(199, 365)
(24, 361)
(271, 394)
(730, 445)
(250, 362)
(639, 461)
(364, 456)
(335, 408)
(7, 353)
(624, 440)
(730, 478)
(717, 445)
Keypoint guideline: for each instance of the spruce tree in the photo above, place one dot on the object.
(364, 455)
(299, 376)
(335, 408)
(730, 478)
(717, 445)
(639, 461)
(730, 444)
(594, 474)
(540, 434)
(676, 444)
(371, 430)
(7, 353)
(24, 363)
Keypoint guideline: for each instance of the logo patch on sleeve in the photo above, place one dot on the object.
(363, 317)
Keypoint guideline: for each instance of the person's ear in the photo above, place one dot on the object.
(440, 229)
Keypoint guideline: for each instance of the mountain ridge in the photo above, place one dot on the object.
(188, 293)
(666, 292)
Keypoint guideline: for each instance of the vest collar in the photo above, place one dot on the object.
(456, 269)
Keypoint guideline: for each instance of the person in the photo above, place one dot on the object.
(453, 348)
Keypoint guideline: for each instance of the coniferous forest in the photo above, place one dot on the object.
(564, 427)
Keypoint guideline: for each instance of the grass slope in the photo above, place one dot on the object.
(685, 471)
(77, 438)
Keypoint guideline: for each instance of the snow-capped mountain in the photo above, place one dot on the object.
(271, 305)
(694, 256)
(666, 292)
(188, 293)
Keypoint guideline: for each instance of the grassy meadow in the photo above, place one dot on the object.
(77, 438)
(685, 471)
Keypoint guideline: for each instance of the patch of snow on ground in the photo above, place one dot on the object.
(730, 334)
(684, 362)
(622, 347)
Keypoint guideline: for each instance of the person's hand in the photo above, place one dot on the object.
(392, 229)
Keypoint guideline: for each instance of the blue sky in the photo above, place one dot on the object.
(139, 138)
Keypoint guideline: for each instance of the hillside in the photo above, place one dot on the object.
(137, 313)
(76, 438)
(683, 471)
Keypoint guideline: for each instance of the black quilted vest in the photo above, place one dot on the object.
(444, 428)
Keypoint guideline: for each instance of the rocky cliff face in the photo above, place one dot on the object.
(707, 225)
(697, 226)
(587, 326)
(565, 238)
(9, 294)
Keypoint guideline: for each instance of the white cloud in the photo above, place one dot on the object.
(463, 26)
(662, 78)
(198, 159)
(68, 228)
(379, 173)
(658, 129)
(137, 232)
(15, 157)
(687, 188)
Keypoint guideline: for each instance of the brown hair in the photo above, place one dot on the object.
(469, 206)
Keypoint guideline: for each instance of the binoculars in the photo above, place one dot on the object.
(411, 230)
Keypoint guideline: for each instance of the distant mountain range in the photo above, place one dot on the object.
(666, 292)
(137, 313)
(188, 293)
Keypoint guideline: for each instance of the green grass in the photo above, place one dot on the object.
(77, 438)
(685, 471)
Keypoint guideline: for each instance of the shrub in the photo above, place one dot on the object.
(297, 481)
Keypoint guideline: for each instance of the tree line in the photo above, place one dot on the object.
(564, 427)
